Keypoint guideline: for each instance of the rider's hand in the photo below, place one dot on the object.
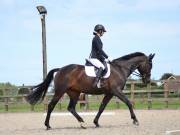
(107, 60)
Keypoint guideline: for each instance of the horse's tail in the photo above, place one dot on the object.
(39, 91)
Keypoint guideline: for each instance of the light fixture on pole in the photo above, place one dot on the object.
(42, 11)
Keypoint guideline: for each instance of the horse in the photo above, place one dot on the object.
(72, 79)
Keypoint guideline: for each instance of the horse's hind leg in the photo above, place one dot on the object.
(105, 101)
(51, 106)
(72, 106)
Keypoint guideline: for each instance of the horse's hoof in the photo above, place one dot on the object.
(135, 122)
(47, 127)
(83, 125)
(97, 125)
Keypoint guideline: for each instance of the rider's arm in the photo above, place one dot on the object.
(103, 53)
(99, 48)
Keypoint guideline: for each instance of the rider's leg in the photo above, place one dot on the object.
(105, 67)
(100, 67)
(98, 77)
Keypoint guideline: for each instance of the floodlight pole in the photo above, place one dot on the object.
(42, 11)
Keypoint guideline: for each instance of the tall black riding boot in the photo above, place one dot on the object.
(99, 73)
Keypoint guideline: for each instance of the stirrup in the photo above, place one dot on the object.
(99, 84)
(95, 82)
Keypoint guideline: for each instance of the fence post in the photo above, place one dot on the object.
(32, 107)
(82, 100)
(143, 98)
(6, 104)
(149, 96)
(117, 103)
(87, 101)
(60, 106)
(45, 103)
(166, 92)
(132, 93)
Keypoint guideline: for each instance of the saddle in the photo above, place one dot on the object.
(91, 70)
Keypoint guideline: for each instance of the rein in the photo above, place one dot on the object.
(136, 74)
(133, 72)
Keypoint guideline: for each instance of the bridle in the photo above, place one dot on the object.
(133, 72)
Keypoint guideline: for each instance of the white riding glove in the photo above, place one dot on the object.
(107, 60)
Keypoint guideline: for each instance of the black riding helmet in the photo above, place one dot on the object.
(99, 27)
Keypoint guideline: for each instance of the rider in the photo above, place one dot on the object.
(97, 52)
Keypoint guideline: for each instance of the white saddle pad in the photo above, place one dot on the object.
(90, 71)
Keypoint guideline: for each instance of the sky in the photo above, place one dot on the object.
(148, 26)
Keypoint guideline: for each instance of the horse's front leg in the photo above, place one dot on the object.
(123, 98)
(71, 108)
(104, 102)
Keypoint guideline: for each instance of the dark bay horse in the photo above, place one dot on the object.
(72, 80)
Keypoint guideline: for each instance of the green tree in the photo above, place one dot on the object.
(8, 89)
(165, 76)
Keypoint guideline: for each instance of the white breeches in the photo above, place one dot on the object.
(96, 63)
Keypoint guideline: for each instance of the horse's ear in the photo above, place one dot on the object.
(151, 56)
